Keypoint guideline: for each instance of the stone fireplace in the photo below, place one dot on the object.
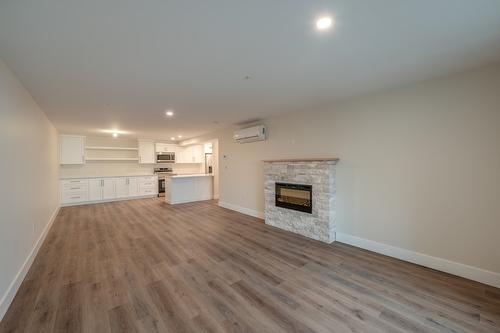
(300, 196)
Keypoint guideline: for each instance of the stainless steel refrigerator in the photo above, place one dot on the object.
(209, 163)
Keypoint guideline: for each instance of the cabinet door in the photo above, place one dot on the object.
(147, 152)
(122, 190)
(172, 148)
(71, 149)
(160, 147)
(95, 189)
(133, 187)
(165, 147)
(188, 154)
(108, 188)
(180, 155)
(198, 154)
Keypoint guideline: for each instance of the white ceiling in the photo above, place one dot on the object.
(102, 64)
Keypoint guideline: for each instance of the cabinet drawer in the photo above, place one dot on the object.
(74, 197)
(147, 191)
(75, 187)
(147, 179)
(148, 184)
(74, 182)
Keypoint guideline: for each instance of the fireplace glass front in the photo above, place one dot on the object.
(294, 196)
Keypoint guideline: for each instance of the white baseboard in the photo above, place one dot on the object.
(243, 210)
(440, 264)
(16, 283)
(207, 198)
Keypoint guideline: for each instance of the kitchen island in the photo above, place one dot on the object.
(188, 188)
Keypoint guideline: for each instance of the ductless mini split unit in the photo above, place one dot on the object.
(250, 134)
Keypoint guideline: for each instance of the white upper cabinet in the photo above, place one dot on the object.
(165, 148)
(71, 149)
(147, 152)
(198, 155)
(190, 154)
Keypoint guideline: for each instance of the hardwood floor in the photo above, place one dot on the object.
(145, 266)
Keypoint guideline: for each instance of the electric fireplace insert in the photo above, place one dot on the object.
(294, 196)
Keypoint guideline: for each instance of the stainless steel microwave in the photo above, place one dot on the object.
(165, 157)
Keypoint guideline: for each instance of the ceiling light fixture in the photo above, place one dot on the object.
(324, 23)
(115, 135)
(112, 131)
(169, 113)
(172, 138)
(179, 136)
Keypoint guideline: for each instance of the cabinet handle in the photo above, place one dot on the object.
(74, 188)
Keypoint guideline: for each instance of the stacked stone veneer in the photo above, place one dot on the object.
(319, 225)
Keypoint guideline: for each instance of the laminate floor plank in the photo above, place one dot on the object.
(146, 266)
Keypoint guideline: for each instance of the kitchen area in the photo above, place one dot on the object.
(184, 187)
(103, 169)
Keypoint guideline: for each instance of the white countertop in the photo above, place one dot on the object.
(193, 175)
(189, 175)
(114, 176)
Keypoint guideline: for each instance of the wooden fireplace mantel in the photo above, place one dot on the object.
(312, 159)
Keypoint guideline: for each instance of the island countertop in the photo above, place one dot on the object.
(192, 175)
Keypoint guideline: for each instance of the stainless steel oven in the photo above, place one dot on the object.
(165, 157)
(161, 186)
(162, 174)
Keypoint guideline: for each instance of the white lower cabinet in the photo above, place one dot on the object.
(102, 189)
(127, 187)
(133, 187)
(121, 186)
(95, 189)
(147, 185)
(108, 188)
(74, 191)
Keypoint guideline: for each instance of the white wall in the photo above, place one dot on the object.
(419, 166)
(28, 178)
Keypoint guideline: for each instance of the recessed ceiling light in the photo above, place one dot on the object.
(324, 23)
(112, 131)
(172, 138)
(115, 135)
(169, 113)
(179, 136)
